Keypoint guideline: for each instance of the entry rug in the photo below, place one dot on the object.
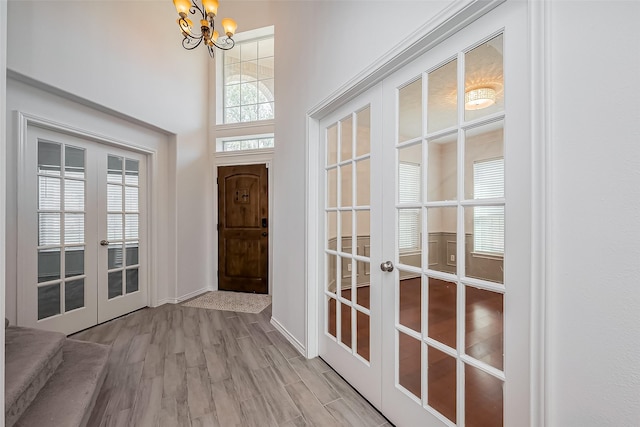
(231, 301)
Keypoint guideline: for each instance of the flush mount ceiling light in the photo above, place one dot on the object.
(207, 34)
(479, 98)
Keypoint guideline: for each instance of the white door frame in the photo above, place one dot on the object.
(239, 158)
(26, 120)
(447, 22)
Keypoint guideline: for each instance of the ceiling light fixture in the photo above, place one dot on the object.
(479, 98)
(208, 34)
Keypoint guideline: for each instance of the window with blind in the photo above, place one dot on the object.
(488, 221)
(409, 219)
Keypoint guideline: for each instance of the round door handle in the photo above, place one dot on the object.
(104, 242)
(386, 266)
(264, 234)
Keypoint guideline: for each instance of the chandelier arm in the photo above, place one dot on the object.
(182, 23)
(228, 44)
(195, 7)
(187, 43)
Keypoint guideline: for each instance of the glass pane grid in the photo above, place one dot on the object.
(460, 195)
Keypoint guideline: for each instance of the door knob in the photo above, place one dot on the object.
(104, 242)
(386, 266)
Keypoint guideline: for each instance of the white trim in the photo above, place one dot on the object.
(294, 342)
(450, 20)
(24, 120)
(541, 191)
(185, 297)
(3, 186)
(238, 158)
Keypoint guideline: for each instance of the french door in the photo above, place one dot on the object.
(425, 303)
(82, 239)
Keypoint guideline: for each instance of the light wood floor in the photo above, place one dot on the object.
(181, 366)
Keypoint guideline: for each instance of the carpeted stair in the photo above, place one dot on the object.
(50, 380)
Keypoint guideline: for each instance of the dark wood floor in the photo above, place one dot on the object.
(483, 341)
(181, 366)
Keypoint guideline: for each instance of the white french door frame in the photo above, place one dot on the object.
(24, 122)
(446, 23)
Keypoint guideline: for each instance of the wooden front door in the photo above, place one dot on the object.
(243, 207)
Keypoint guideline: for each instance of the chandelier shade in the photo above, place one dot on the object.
(208, 34)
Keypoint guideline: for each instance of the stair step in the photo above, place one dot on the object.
(31, 358)
(69, 396)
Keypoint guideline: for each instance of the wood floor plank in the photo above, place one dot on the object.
(315, 381)
(180, 367)
(199, 392)
(282, 407)
(358, 403)
(227, 403)
(256, 413)
(306, 402)
(344, 414)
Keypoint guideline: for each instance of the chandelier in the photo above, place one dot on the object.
(207, 34)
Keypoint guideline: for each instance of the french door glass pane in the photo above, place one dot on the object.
(484, 80)
(410, 301)
(332, 188)
(132, 253)
(346, 198)
(49, 155)
(441, 228)
(409, 364)
(363, 134)
(48, 301)
(410, 111)
(114, 284)
(332, 230)
(363, 334)
(483, 164)
(409, 232)
(345, 322)
(73, 195)
(331, 317)
(484, 326)
(483, 397)
(114, 197)
(48, 265)
(485, 243)
(73, 228)
(345, 288)
(73, 294)
(442, 383)
(131, 226)
(332, 262)
(49, 193)
(74, 162)
(332, 145)
(442, 99)
(346, 139)
(442, 305)
(115, 256)
(73, 261)
(131, 199)
(48, 229)
(132, 172)
(363, 182)
(363, 290)
(442, 168)
(132, 280)
(410, 174)
(114, 169)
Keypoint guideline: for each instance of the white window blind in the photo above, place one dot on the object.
(409, 219)
(488, 221)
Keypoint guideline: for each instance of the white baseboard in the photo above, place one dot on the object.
(294, 342)
(183, 297)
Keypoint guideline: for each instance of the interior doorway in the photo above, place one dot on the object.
(243, 228)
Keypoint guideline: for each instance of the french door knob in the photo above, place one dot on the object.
(104, 242)
(386, 266)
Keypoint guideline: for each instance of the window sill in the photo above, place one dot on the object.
(248, 127)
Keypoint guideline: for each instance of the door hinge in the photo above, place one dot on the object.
(218, 227)
(217, 180)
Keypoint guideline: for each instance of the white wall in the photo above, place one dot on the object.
(127, 57)
(594, 239)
